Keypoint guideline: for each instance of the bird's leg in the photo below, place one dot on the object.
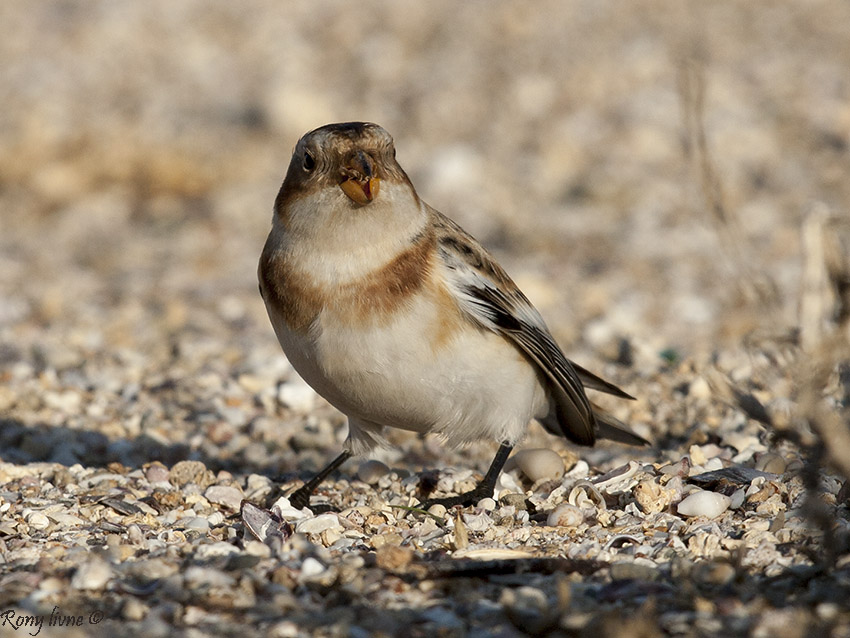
(301, 497)
(484, 489)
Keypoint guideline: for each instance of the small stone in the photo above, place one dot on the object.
(703, 503)
(216, 518)
(134, 609)
(67, 402)
(477, 522)
(487, 504)
(372, 471)
(699, 389)
(771, 462)
(37, 520)
(92, 575)
(437, 510)
(226, 495)
(737, 499)
(318, 524)
(197, 523)
(651, 497)
(297, 395)
(156, 472)
(565, 515)
(714, 573)
(186, 472)
(214, 550)
(393, 557)
(625, 570)
(516, 500)
(311, 568)
(537, 464)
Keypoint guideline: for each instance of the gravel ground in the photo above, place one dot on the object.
(668, 182)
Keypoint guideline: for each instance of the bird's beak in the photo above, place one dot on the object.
(359, 183)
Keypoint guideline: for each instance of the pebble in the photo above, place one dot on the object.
(216, 518)
(372, 471)
(651, 497)
(537, 464)
(318, 524)
(437, 510)
(519, 501)
(703, 503)
(156, 472)
(565, 515)
(297, 395)
(627, 570)
(393, 557)
(486, 504)
(92, 575)
(477, 522)
(134, 609)
(771, 462)
(198, 523)
(311, 568)
(226, 495)
(213, 550)
(186, 472)
(36, 520)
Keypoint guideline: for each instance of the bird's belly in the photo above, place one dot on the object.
(412, 371)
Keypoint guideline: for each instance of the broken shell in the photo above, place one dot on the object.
(586, 496)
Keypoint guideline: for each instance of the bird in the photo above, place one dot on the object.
(401, 319)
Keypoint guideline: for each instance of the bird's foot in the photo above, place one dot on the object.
(300, 499)
(464, 500)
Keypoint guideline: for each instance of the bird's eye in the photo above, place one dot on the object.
(309, 163)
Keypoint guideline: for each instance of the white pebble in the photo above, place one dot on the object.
(318, 524)
(216, 518)
(215, 550)
(226, 495)
(92, 575)
(67, 402)
(478, 522)
(737, 499)
(311, 568)
(296, 394)
(37, 520)
(704, 503)
(372, 471)
(539, 463)
(284, 510)
(437, 510)
(197, 523)
(487, 504)
(565, 515)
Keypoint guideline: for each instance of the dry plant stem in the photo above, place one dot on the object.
(756, 286)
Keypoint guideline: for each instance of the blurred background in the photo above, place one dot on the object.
(642, 169)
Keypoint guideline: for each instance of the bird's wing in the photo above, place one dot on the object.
(486, 294)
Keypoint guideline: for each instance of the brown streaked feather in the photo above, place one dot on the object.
(495, 301)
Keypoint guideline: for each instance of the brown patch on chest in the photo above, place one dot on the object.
(288, 293)
(371, 300)
(374, 299)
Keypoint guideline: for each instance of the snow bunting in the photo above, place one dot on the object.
(400, 319)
